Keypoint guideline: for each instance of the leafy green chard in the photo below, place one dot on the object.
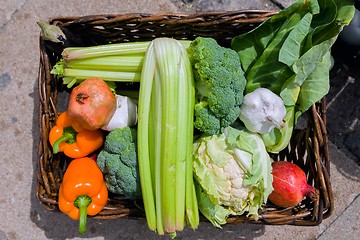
(290, 55)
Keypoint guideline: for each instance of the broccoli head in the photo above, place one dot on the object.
(118, 162)
(219, 84)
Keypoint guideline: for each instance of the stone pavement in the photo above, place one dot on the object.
(23, 217)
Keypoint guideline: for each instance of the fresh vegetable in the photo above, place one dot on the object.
(75, 143)
(165, 136)
(290, 185)
(118, 162)
(262, 110)
(219, 78)
(110, 62)
(125, 114)
(91, 104)
(233, 171)
(82, 191)
(289, 55)
(118, 62)
(219, 83)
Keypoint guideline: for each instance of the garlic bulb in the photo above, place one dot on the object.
(125, 114)
(262, 110)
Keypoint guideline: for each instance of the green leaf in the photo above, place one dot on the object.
(58, 68)
(278, 139)
(335, 14)
(253, 43)
(290, 92)
(291, 48)
(316, 85)
(314, 7)
(259, 74)
(302, 68)
(211, 150)
(215, 213)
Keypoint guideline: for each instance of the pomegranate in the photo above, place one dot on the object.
(290, 185)
(92, 104)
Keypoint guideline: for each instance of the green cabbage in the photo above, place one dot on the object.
(233, 174)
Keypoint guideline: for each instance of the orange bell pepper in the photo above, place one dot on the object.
(66, 136)
(82, 191)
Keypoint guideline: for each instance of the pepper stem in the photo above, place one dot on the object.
(69, 135)
(82, 202)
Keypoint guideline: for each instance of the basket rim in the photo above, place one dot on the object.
(163, 14)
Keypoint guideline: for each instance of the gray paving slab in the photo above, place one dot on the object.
(346, 224)
(8, 9)
(22, 216)
(229, 5)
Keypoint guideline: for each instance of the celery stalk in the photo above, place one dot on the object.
(109, 63)
(115, 49)
(146, 178)
(167, 158)
(155, 148)
(185, 118)
(191, 204)
(167, 60)
(118, 62)
(82, 74)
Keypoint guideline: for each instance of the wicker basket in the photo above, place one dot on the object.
(308, 147)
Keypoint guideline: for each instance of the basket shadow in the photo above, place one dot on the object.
(342, 122)
(58, 226)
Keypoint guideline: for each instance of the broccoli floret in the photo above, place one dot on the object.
(118, 162)
(205, 118)
(219, 83)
